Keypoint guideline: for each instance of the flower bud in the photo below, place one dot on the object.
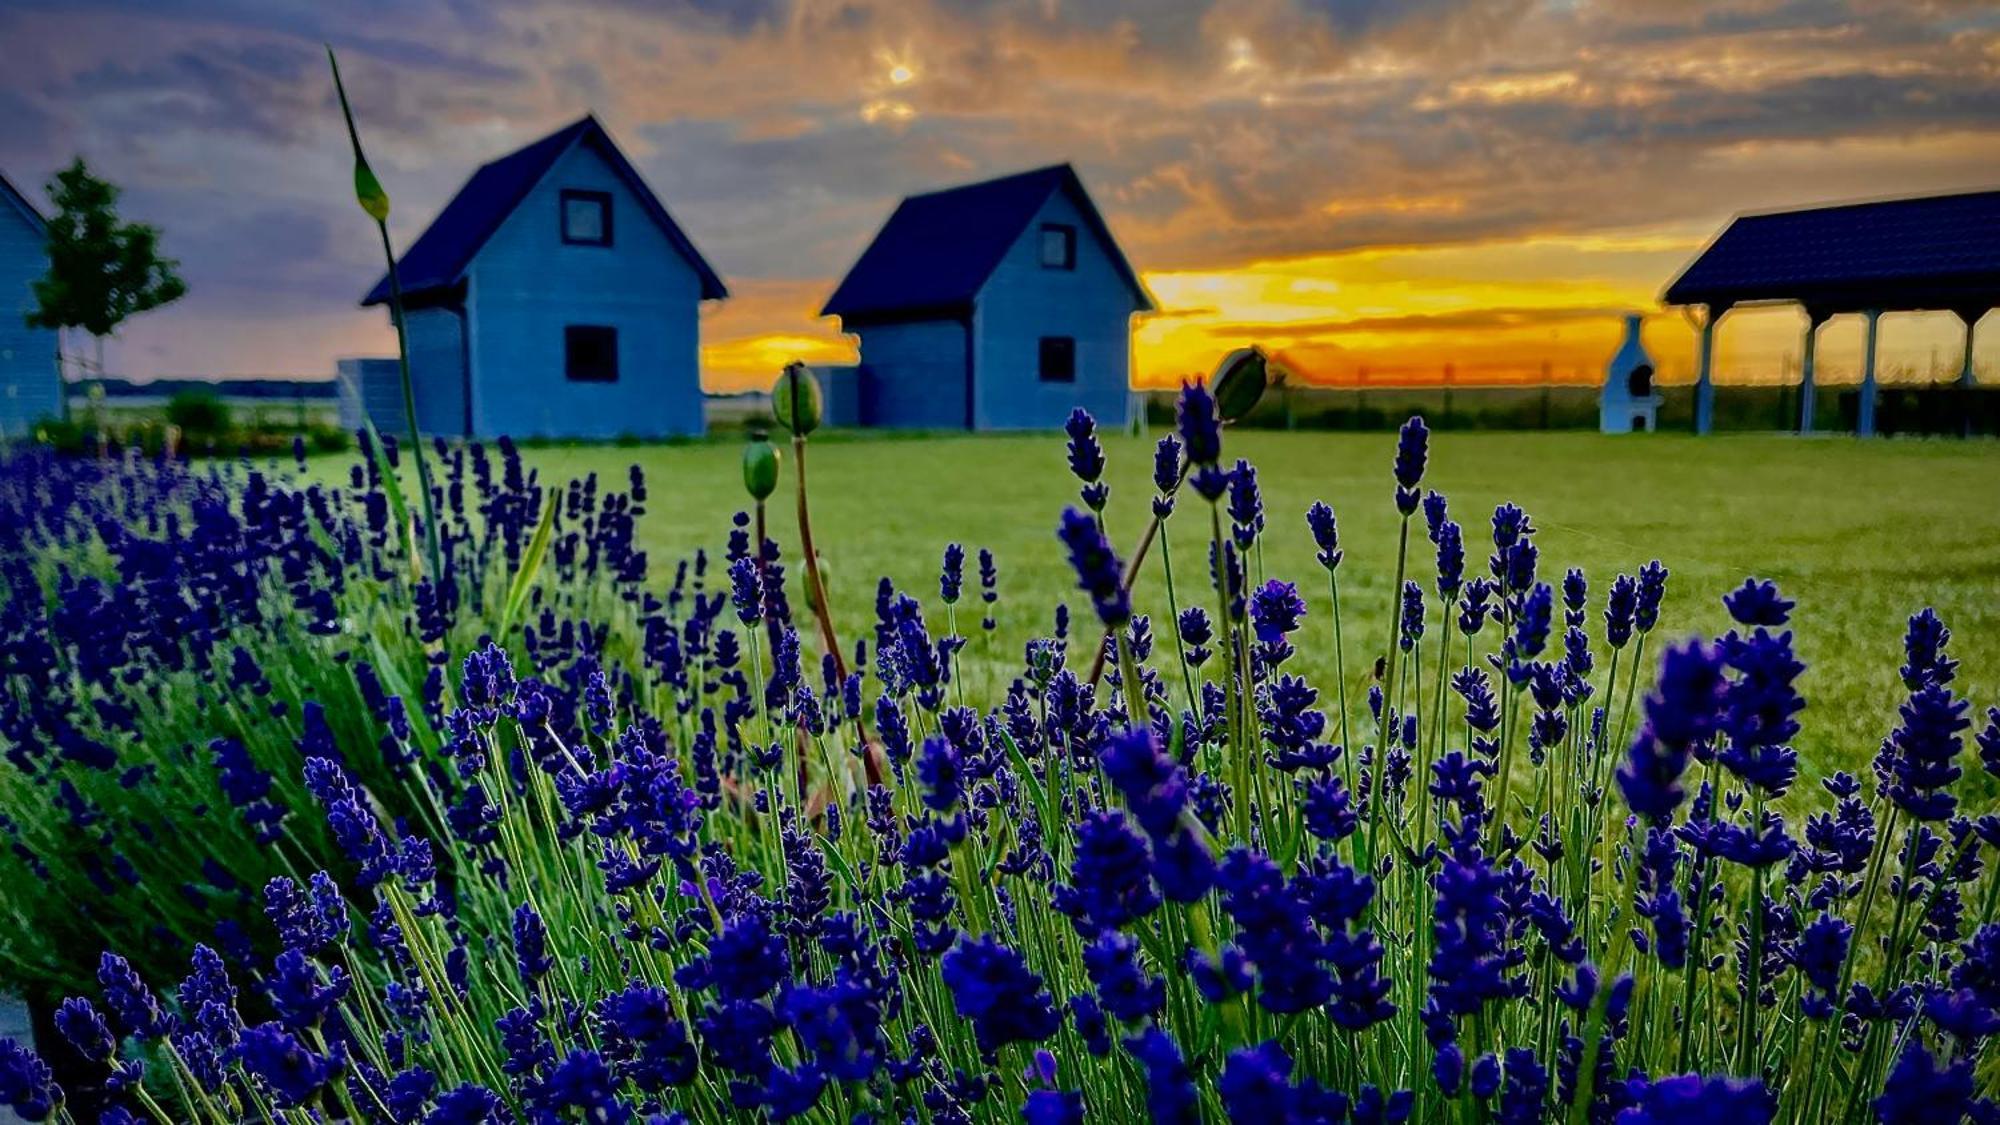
(368, 191)
(760, 466)
(795, 399)
(1239, 382)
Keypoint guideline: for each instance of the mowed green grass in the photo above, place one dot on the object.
(1860, 534)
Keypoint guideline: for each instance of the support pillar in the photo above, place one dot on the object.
(1970, 318)
(1865, 425)
(1966, 380)
(1704, 383)
(1814, 318)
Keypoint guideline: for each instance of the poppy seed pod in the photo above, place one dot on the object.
(795, 399)
(760, 466)
(1239, 382)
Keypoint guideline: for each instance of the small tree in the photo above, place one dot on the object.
(102, 270)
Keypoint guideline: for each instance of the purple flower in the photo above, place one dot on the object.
(1171, 1098)
(1098, 571)
(1651, 591)
(1326, 534)
(1923, 647)
(1450, 541)
(466, 1105)
(290, 1070)
(80, 1024)
(1275, 611)
(1167, 467)
(746, 590)
(1246, 505)
(1412, 628)
(1412, 448)
(1680, 716)
(531, 945)
(992, 987)
(1053, 1107)
(1086, 455)
(1124, 987)
(27, 1086)
(1759, 708)
(1111, 881)
(1696, 1099)
(1200, 428)
(1917, 763)
(951, 576)
(1921, 1092)
(1758, 603)
(134, 1008)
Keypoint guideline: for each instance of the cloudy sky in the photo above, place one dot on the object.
(1378, 188)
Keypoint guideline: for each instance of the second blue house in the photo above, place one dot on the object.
(552, 297)
(993, 306)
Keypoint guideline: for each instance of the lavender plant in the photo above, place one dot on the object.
(1537, 877)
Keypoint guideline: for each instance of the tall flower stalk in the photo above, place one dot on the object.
(375, 201)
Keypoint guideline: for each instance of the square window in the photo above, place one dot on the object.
(1058, 246)
(1058, 359)
(586, 218)
(590, 353)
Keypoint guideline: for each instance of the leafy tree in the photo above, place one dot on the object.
(102, 270)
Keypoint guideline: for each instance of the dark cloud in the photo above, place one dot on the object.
(1212, 133)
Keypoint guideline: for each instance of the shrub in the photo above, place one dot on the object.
(201, 415)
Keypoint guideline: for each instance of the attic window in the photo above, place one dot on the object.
(586, 218)
(1058, 246)
(590, 353)
(1058, 359)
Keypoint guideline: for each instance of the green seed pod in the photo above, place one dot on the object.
(1239, 382)
(795, 399)
(368, 192)
(806, 582)
(760, 466)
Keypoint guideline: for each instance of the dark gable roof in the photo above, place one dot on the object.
(1933, 252)
(12, 196)
(937, 249)
(437, 259)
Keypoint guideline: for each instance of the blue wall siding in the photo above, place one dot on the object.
(437, 372)
(30, 385)
(527, 285)
(913, 375)
(1023, 302)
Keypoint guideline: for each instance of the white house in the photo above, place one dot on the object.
(997, 305)
(31, 385)
(552, 297)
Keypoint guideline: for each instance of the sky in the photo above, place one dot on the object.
(1377, 190)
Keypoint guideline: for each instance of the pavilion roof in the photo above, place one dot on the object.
(1929, 252)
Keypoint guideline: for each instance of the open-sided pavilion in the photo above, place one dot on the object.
(1937, 252)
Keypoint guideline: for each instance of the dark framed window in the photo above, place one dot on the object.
(1058, 246)
(1058, 359)
(590, 353)
(586, 217)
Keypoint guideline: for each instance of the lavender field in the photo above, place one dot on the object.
(1665, 795)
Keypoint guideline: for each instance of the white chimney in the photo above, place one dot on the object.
(1628, 402)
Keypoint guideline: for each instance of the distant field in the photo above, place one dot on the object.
(1861, 534)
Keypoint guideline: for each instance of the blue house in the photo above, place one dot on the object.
(554, 297)
(998, 305)
(31, 386)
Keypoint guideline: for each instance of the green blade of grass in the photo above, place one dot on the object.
(531, 564)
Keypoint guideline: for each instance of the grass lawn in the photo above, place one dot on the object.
(1860, 534)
